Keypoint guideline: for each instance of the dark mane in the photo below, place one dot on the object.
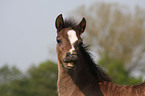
(94, 68)
(70, 23)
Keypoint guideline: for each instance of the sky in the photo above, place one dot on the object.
(27, 28)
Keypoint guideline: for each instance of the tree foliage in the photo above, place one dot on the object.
(8, 74)
(39, 81)
(116, 69)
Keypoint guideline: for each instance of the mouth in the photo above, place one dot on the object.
(70, 65)
(71, 60)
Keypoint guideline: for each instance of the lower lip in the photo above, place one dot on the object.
(70, 64)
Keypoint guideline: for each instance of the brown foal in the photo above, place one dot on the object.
(78, 75)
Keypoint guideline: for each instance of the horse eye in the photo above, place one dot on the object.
(59, 40)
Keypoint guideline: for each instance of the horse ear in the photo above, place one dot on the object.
(59, 23)
(82, 25)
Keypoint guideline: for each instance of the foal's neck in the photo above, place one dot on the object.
(82, 75)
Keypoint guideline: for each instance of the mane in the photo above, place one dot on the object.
(94, 68)
(70, 22)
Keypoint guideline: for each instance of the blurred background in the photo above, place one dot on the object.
(28, 63)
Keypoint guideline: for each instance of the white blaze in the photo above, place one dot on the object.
(72, 38)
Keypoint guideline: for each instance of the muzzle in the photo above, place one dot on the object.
(70, 60)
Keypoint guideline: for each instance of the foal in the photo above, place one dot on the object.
(78, 75)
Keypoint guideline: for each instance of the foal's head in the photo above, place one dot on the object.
(68, 39)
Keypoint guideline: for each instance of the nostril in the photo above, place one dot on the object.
(71, 57)
(67, 54)
(74, 58)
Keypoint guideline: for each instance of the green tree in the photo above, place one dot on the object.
(43, 79)
(8, 74)
(116, 70)
(39, 81)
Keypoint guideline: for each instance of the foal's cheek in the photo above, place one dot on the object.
(60, 56)
(61, 53)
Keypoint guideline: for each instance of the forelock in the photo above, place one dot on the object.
(70, 23)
